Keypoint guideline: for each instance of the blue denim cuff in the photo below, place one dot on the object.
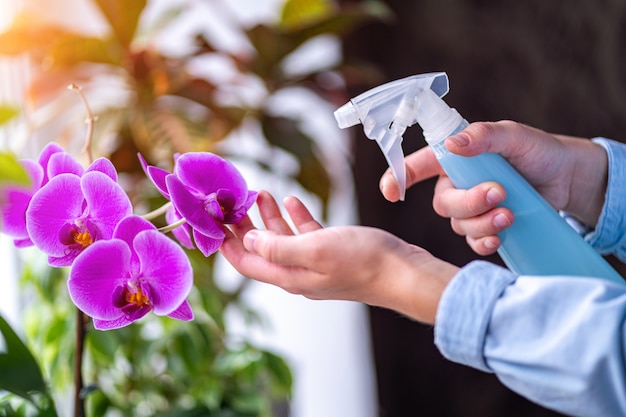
(609, 236)
(465, 309)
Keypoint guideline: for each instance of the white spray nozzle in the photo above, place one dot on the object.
(387, 110)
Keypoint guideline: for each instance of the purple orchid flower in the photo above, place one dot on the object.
(52, 161)
(15, 202)
(208, 192)
(118, 281)
(182, 233)
(70, 213)
(17, 199)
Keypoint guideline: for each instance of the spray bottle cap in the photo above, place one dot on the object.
(387, 110)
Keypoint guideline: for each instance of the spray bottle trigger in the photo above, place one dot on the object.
(394, 155)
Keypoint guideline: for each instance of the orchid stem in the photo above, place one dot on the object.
(170, 227)
(79, 402)
(157, 212)
(90, 121)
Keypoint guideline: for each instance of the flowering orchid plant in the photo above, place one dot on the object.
(116, 266)
(122, 266)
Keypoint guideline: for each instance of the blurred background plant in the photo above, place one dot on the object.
(162, 101)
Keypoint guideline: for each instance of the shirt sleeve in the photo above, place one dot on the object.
(558, 341)
(609, 237)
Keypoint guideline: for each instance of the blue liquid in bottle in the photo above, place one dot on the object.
(539, 242)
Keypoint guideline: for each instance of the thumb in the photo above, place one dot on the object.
(505, 137)
(275, 248)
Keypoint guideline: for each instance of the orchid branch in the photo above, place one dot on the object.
(170, 227)
(79, 403)
(157, 212)
(91, 119)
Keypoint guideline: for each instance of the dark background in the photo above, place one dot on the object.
(556, 65)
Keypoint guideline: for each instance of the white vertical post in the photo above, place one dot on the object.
(11, 82)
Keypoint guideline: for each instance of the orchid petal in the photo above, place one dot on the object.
(63, 163)
(23, 243)
(236, 215)
(183, 232)
(107, 202)
(13, 212)
(207, 245)
(117, 323)
(16, 201)
(35, 173)
(62, 261)
(214, 209)
(56, 204)
(126, 230)
(252, 195)
(192, 209)
(206, 173)
(44, 158)
(165, 268)
(105, 166)
(95, 275)
(183, 312)
(143, 162)
(157, 175)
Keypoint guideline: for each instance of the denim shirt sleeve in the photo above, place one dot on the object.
(609, 237)
(559, 341)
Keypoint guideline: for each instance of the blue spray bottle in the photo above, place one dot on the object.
(539, 242)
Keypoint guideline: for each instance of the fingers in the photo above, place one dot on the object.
(252, 265)
(282, 249)
(486, 245)
(420, 165)
(274, 255)
(301, 216)
(474, 213)
(449, 201)
(241, 228)
(271, 214)
(274, 220)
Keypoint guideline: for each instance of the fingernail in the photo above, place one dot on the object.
(494, 196)
(249, 240)
(386, 183)
(491, 243)
(501, 221)
(460, 139)
(382, 184)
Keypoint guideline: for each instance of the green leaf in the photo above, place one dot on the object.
(71, 49)
(195, 412)
(273, 44)
(123, 17)
(19, 371)
(7, 113)
(11, 171)
(280, 371)
(296, 13)
(104, 344)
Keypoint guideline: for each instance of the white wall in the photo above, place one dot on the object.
(10, 93)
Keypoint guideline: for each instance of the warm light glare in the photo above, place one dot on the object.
(7, 11)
